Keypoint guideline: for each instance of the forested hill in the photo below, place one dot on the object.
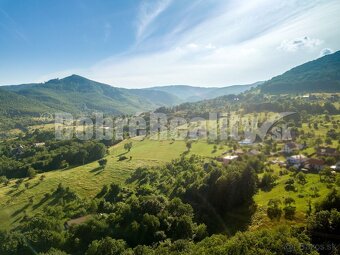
(320, 75)
(77, 94)
(14, 104)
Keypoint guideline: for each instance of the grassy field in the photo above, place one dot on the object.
(301, 197)
(87, 180)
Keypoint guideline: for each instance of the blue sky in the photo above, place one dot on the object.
(131, 43)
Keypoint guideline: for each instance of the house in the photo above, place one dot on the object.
(291, 147)
(296, 159)
(39, 144)
(246, 141)
(227, 159)
(314, 164)
(239, 152)
(254, 152)
(327, 151)
(336, 167)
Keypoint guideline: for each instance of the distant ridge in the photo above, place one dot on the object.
(191, 94)
(76, 94)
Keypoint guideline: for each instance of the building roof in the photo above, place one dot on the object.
(238, 151)
(230, 157)
(315, 161)
(327, 150)
(254, 152)
(300, 156)
(291, 145)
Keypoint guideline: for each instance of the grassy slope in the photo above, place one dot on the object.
(88, 180)
(279, 192)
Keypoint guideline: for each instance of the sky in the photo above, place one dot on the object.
(139, 43)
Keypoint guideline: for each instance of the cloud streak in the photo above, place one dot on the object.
(148, 13)
(233, 43)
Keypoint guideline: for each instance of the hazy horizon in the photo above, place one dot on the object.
(146, 87)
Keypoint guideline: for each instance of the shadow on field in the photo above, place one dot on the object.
(35, 185)
(97, 170)
(122, 154)
(20, 210)
(41, 202)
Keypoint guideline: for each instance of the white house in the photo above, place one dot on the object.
(227, 159)
(296, 159)
(336, 167)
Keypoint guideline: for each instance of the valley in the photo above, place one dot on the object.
(269, 171)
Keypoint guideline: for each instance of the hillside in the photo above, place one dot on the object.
(12, 104)
(77, 94)
(320, 75)
(192, 94)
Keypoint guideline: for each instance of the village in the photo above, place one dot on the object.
(290, 157)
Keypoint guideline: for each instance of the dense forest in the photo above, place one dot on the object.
(38, 152)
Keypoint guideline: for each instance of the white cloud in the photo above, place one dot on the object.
(299, 44)
(326, 51)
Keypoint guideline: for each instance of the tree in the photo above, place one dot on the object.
(188, 144)
(128, 146)
(301, 178)
(326, 222)
(102, 162)
(96, 151)
(290, 185)
(289, 209)
(268, 181)
(289, 201)
(318, 142)
(3, 179)
(106, 246)
(274, 210)
(31, 173)
(81, 156)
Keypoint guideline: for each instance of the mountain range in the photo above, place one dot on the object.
(76, 94)
(192, 94)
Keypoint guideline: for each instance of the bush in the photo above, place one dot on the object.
(121, 158)
(102, 162)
